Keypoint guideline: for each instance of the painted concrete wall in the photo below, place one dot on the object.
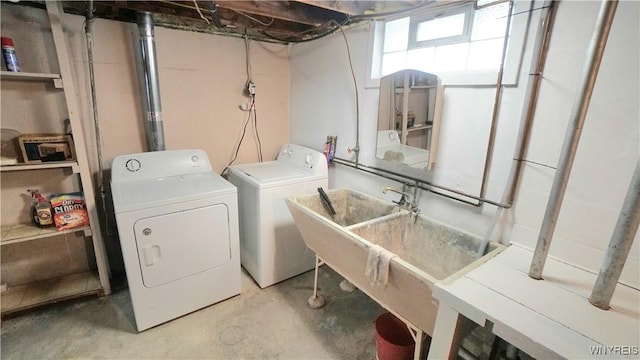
(322, 103)
(201, 82)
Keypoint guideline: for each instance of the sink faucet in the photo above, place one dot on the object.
(404, 195)
(403, 199)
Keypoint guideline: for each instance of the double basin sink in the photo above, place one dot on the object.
(426, 251)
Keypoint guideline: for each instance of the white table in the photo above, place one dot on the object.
(547, 319)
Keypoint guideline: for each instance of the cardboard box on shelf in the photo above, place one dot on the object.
(69, 210)
(37, 148)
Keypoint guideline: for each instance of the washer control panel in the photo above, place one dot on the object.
(133, 165)
(302, 157)
(158, 164)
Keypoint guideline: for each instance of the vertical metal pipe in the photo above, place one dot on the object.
(572, 136)
(541, 48)
(150, 85)
(496, 106)
(621, 241)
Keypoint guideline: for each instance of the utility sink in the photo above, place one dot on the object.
(435, 248)
(351, 207)
(424, 251)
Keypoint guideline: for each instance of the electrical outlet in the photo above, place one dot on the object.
(251, 88)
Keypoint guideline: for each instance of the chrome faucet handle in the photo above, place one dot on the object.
(389, 188)
(403, 196)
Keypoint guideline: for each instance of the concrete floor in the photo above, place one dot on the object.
(273, 323)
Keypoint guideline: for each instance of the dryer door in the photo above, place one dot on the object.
(181, 244)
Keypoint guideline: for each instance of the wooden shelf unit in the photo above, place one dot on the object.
(29, 290)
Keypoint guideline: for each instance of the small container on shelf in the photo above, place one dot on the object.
(42, 215)
(38, 148)
(9, 54)
(10, 151)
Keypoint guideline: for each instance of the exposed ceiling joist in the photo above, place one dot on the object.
(283, 10)
(283, 21)
(346, 7)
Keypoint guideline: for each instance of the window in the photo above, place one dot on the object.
(462, 45)
(440, 29)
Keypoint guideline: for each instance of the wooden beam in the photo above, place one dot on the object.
(282, 10)
(354, 8)
(345, 7)
(281, 19)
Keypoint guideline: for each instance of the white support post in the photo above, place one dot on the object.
(446, 334)
(55, 11)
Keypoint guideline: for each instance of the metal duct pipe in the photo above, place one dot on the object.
(620, 245)
(149, 83)
(572, 137)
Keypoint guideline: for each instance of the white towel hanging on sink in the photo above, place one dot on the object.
(378, 262)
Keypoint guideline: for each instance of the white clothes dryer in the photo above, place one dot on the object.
(271, 248)
(178, 227)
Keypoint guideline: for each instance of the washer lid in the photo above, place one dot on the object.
(271, 172)
(412, 155)
(134, 195)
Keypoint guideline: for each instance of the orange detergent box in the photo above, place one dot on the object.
(69, 211)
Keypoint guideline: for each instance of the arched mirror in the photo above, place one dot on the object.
(409, 112)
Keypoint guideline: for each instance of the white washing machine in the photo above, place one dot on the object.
(271, 248)
(178, 227)
(389, 140)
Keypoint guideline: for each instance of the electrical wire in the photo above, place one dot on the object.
(244, 131)
(355, 85)
(197, 8)
(247, 48)
(252, 18)
(255, 128)
(315, 37)
(200, 12)
(249, 85)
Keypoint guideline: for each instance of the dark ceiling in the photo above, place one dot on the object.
(281, 21)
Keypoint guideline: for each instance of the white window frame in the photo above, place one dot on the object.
(513, 59)
(416, 20)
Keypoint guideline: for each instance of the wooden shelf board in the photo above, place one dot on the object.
(400, 90)
(421, 127)
(10, 75)
(11, 234)
(38, 293)
(47, 165)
